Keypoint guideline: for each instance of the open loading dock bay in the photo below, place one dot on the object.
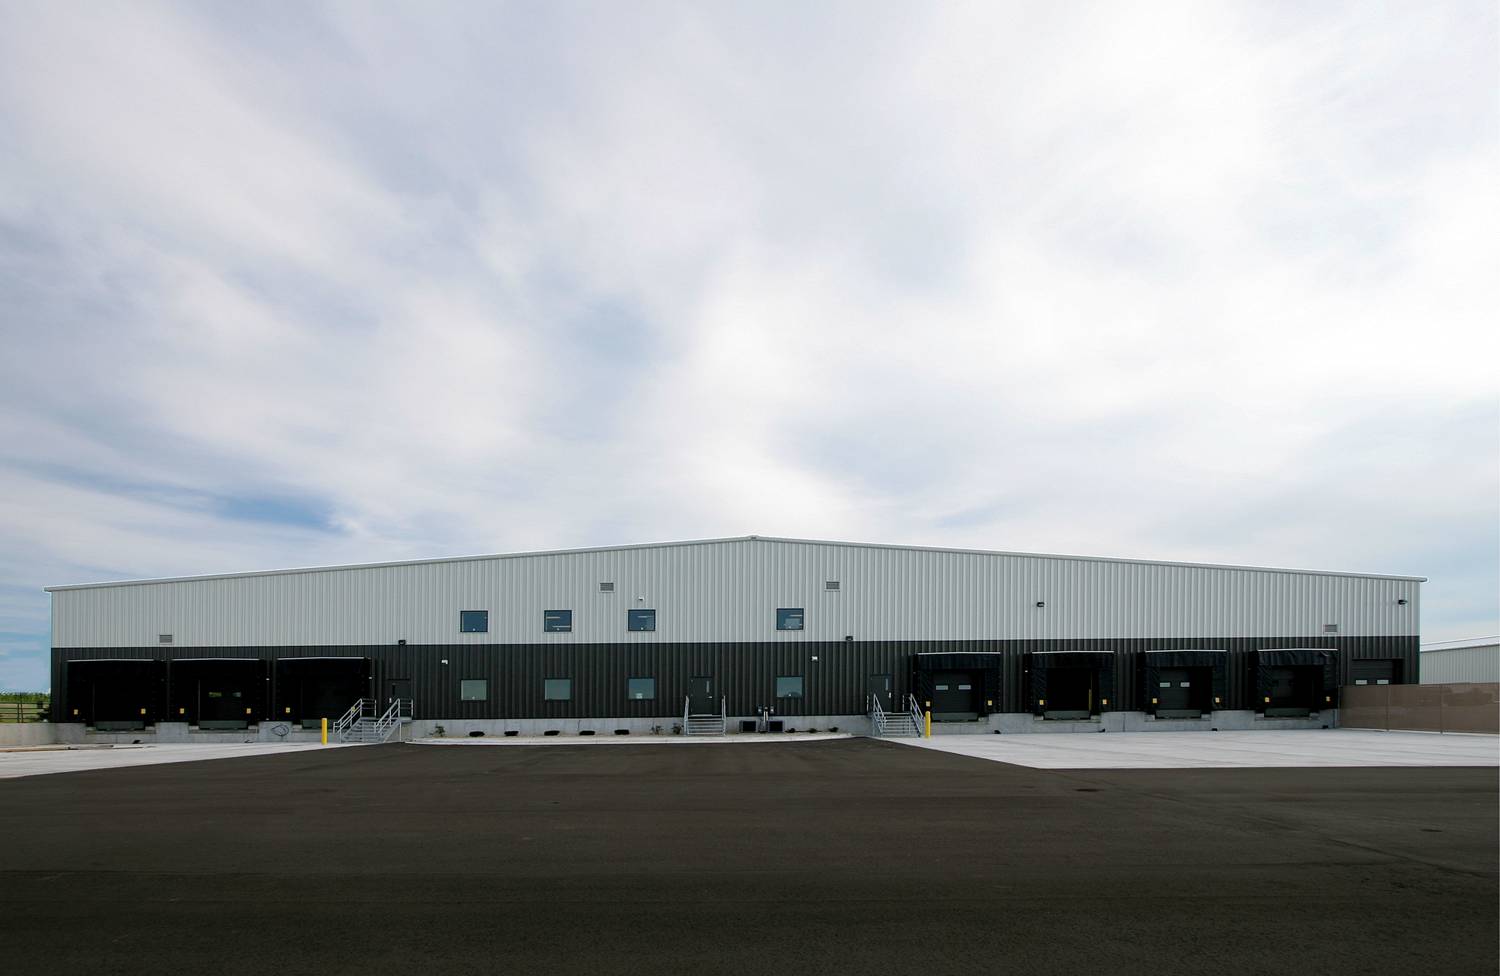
(816, 857)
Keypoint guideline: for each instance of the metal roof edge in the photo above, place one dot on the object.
(721, 541)
(1460, 645)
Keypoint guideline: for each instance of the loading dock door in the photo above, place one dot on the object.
(1379, 672)
(115, 695)
(1183, 692)
(1072, 693)
(218, 693)
(1163, 672)
(955, 696)
(1296, 682)
(1069, 685)
(309, 689)
(1294, 692)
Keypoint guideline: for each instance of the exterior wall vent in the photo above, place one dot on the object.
(164, 638)
(606, 587)
(831, 585)
(1330, 628)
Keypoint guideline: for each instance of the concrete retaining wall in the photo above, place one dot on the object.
(27, 734)
(38, 733)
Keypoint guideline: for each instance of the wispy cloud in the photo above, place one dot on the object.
(1196, 281)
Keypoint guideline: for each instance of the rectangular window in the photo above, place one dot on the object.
(789, 618)
(641, 689)
(789, 686)
(557, 621)
(473, 621)
(473, 689)
(557, 689)
(640, 619)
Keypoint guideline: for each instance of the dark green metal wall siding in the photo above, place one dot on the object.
(745, 672)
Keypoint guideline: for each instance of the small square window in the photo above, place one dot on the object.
(473, 621)
(474, 689)
(557, 621)
(789, 686)
(641, 689)
(557, 689)
(640, 619)
(789, 618)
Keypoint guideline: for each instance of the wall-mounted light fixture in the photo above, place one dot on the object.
(1040, 604)
(848, 637)
(1401, 603)
(401, 642)
(443, 661)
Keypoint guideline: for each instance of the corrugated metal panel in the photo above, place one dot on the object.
(834, 684)
(729, 591)
(1474, 664)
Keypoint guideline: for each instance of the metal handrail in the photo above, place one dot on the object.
(391, 718)
(347, 720)
(686, 702)
(916, 714)
(723, 714)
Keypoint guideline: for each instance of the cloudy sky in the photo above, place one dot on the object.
(290, 284)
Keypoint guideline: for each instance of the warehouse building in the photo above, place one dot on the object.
(760, 633)
(1474, 660)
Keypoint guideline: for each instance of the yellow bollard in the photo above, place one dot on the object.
(325, 731)
(928, 734)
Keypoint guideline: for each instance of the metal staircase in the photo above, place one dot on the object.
(704, 723)
(905, 724)
(362, 724)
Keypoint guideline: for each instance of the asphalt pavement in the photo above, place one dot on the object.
(844, 856)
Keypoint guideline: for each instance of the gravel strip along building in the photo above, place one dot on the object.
(762, 633)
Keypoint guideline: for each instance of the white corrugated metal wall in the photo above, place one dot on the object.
(1475, 662)
(729, 590)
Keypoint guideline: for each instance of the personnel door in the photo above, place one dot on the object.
(880, 686)
(398, 689)
(701, 698)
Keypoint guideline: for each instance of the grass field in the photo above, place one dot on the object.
(840, 856)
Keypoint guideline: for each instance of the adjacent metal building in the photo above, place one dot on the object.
(623, 636)
(1476, 660)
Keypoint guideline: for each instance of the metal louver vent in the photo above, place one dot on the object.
(164, 638)
(1330, 628)
(831, 585)
(606, 587)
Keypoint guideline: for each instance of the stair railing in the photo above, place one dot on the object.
(687, 701)
(391, 719)
(916, 715)
(877, 714)
(723, 714)
(345, 722)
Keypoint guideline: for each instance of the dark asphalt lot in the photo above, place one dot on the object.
(848, 857)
